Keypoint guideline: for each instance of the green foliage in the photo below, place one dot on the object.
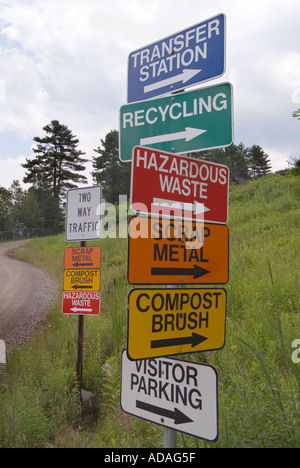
(259, 385)
(259, 163)
(56, 167)
(5, 209)
(38, 392)
(58, 162)
(244, 163)
(296, 114)
(28, 209)
(110, 172)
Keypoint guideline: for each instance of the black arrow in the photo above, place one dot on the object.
(82, 264)
(196, 271)
(77, 286)
(177, 415)
(194, 340)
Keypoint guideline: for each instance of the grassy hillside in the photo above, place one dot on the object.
(259, 385)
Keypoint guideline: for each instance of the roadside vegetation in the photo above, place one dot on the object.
(259, 384)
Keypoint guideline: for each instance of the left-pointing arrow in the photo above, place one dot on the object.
(77, 309)
(176, 414)
(76, 286)
(188, 134)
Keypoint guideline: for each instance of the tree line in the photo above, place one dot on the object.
(58, 165)
(114, 175)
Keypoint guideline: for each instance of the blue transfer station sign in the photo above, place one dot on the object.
(189, 57)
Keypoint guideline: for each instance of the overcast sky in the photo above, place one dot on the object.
(67, 60)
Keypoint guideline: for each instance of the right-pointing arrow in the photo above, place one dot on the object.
(196, 207)
(196, 271)
(185, 76)
(176, 414)
(193, 340)
(188, 134)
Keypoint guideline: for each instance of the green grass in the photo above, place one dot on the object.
(259, 385)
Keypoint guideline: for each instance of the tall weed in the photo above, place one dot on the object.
(259, 385)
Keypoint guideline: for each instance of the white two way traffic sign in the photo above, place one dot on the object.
(83, 214)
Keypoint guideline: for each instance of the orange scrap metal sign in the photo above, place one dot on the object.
(82, 257)
(171, 251)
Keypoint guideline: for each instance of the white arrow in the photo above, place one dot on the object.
(185, 76)
(77, 309)
(188, 134)
(196, 207)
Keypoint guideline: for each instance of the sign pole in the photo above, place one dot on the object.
(79, 364)
(83, 223)
(170, 436)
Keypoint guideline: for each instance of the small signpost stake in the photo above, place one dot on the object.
(83, 223)
(79, 364)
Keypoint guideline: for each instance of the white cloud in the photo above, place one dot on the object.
(67, 60)
(25, 96)
(69, 63)
(10, 170)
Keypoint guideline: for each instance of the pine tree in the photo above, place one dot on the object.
(234, 156)
(58, 162)
(259, 162)
(110, 172)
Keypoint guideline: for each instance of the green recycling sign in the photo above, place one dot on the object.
(180, 123)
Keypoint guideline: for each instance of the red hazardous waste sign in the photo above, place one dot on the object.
(81, 303)
(174, 185)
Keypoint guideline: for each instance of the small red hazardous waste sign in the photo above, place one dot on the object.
(81, 303)
(174, 185)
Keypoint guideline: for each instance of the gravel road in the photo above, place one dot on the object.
(26, 294)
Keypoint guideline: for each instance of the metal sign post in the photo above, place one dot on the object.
(170, 435)
(170, 438)
(187, 240)
(79, 364)
(81, 294)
